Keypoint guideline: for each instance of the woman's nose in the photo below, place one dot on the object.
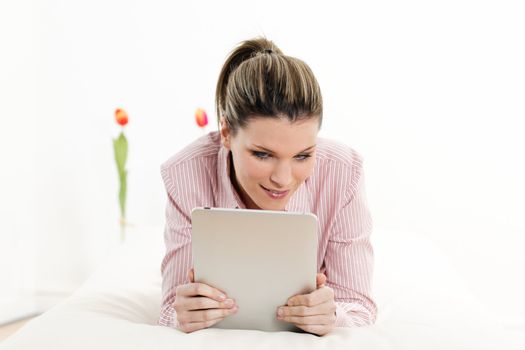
(282, 174)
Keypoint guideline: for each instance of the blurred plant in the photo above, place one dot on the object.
(120, 146)
(201, 118)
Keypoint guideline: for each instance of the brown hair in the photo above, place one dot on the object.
(257, 79)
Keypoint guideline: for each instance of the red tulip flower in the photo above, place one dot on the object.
(121, 116)
(201, 118)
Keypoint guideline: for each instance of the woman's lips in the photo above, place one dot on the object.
(275, 194)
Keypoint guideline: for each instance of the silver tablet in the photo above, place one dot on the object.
(258, 258)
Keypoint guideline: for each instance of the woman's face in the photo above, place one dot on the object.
(272, 157)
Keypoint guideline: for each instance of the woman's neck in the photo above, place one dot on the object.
(247, 201)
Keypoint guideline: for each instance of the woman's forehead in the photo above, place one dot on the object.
(280, 135)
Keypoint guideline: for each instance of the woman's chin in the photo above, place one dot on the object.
(276, 205)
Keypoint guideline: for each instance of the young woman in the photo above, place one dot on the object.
(266, 155)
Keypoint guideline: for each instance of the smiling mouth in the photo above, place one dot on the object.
(275, 194)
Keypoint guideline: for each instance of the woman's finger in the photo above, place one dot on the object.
(208, 315)
(195, 326)
(202, 289)
(317, 297)
(315, 328)
(325, 308)
(199, 303)
(310, 320)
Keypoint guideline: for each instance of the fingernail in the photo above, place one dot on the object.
(228, 302)
(222, 296)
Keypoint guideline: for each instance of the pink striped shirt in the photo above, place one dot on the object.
(198, 176)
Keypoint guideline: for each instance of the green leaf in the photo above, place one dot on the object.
(120, 145)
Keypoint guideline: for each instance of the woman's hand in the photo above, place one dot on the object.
(314, 312)
(199, 305)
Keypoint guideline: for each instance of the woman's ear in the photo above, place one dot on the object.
(225, 133)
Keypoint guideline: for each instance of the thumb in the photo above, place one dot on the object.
(191, 275)
(321, 279)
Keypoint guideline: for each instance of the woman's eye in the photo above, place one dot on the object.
(260, 155)
(302, 156)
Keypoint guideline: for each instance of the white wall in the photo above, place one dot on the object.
(17, 134)
(430, 93)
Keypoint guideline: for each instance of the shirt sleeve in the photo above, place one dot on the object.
(178, 258)
(349, 257)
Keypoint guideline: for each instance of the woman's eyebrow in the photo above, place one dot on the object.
(270, 151)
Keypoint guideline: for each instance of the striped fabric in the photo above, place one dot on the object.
(198, 176)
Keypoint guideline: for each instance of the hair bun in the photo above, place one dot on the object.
(257, 79)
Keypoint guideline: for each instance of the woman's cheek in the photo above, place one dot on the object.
(256, 170)
(305, 170)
